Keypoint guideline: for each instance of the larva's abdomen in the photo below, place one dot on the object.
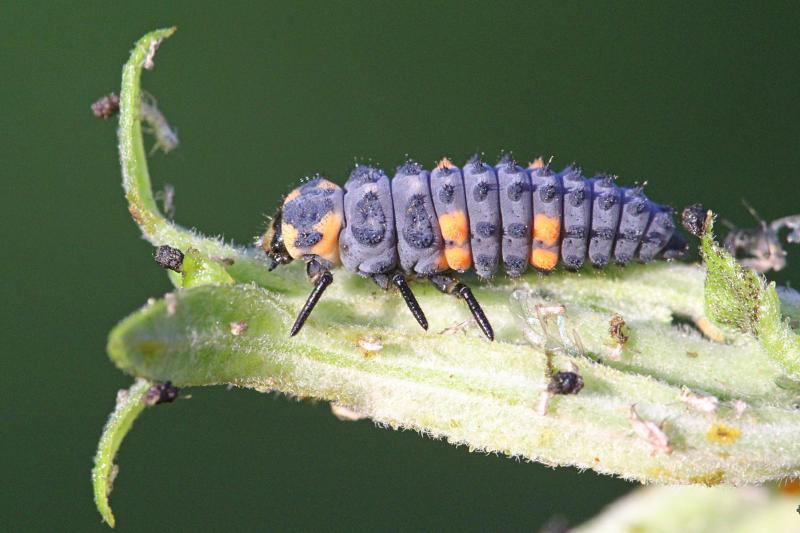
(636, 211)
(419, 239)
(483, 206)
(450, 203)
(368, 240)
(516, 214)
(577, 217)
(547, 195)
(312, 219)
(657, 234)
(456, 219)
(606, 209)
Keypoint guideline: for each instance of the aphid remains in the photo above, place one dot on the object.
(760, 248)
(432, 225)
(650, 432)
(706, 403)
(165, 135)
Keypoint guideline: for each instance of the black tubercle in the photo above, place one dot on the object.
(410, 167)
(508, 161)
(477, 164)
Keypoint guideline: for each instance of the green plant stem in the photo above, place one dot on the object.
(129, 406)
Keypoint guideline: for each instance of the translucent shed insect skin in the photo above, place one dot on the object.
(433, 225)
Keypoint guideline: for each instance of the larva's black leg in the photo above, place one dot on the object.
(449, 285)
(405, 291)
(323, 280)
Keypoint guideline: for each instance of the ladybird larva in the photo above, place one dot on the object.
(432, 225)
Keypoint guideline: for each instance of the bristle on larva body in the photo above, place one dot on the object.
(479, 217)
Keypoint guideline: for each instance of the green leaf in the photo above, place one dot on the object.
(742, 299)
(481, 394)
(723, 509)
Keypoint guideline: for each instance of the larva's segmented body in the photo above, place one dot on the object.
(431, 224)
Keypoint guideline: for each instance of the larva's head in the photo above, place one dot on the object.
(272, 242)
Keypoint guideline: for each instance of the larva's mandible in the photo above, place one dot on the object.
(434, 224)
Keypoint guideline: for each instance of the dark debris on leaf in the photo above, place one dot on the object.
(161, 393)
(694, 219)
(169, 257)
(106, 106)
(565, 383)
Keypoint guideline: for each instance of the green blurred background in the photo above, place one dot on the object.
(700, 100)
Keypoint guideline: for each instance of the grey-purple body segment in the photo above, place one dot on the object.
(577, 215)
(368, 239)
(419, 239)
(483, 208)
(658, 233)
(516, 213)
(636, 212)
(606, 209)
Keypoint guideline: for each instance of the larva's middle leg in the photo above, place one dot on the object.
(450, 285)
(399, 281)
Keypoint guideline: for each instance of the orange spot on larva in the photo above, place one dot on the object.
(444, 163)
(325, 184)
(537, 163)
(289, 233)
(328, 246)
(544, 259)
(291, 196)
(441, 262)
(458, 258)
(546, 229)
(455, 227)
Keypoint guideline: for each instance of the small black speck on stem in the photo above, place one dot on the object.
(161, 393)
(169, 257)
